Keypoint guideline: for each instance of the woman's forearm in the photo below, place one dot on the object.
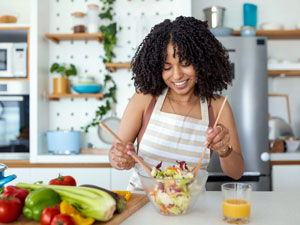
(233, 165)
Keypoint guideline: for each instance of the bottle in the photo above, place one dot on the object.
(93, 18)
(250, 14)
(79, 22)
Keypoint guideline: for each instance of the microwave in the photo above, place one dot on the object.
(13, 60)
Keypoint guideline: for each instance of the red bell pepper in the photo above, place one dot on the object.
(20, 193)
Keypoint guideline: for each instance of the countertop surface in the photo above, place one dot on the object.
(287, 156)
(267, 208)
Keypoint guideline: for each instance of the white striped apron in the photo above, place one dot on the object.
(170, 138)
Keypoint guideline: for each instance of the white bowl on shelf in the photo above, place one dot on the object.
(271, 26)
(292, 145)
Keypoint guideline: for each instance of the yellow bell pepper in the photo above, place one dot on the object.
(79, 219)
(125, 194)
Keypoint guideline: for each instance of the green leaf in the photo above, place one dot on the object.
(61, 69)
(54, 67)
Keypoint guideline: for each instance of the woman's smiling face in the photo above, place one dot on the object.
(180, 77)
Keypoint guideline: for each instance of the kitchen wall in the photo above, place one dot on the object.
(20, 7)
(285, 12)
(136, 19)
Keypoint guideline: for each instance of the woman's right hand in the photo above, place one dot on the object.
(118, 157)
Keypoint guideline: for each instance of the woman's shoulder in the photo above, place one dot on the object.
(217, 99)
(139, 96)
(216, 103)
(141, 100)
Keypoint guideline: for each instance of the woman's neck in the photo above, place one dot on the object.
(188, 97)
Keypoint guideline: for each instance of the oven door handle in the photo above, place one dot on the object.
(12, 98)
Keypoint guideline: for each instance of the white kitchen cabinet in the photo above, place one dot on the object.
(120, 179)
(286, 178)
(23, 175)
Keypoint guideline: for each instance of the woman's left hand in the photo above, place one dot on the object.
(218, 139)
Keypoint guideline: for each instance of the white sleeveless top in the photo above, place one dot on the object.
(170, 138)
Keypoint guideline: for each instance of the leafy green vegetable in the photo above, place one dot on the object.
(89, 201)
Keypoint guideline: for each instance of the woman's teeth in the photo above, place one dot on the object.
(180, 83)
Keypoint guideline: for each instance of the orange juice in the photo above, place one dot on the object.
(236, 208)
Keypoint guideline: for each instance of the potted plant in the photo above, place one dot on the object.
(61, 84)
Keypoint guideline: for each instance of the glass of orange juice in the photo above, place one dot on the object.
(236, 202)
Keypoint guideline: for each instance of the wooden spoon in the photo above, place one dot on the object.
(134, 155)
(215, 124)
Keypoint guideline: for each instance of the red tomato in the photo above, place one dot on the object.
(63, 180)
(10, 209)
(48, 214)
(62, 219)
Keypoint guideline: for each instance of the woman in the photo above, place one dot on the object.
(178, 69)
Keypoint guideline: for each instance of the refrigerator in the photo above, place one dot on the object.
(248, 98)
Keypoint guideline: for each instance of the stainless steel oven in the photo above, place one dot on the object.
(14, 120)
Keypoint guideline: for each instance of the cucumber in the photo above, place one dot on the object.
(120, 201)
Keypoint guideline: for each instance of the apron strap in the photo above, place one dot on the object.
(211, 117)
(145, 122)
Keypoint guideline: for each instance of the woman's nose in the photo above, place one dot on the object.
(177, 73)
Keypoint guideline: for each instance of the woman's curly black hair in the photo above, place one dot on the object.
(195, 44)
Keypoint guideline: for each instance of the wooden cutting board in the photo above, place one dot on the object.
(135, 202)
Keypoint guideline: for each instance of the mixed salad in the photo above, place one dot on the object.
(173, 189)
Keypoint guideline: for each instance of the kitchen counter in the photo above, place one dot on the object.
(267, 208)
(287, 158)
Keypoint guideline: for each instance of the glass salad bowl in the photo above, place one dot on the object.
(171, 196)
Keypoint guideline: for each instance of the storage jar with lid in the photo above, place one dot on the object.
(93, 18)
(79, 22)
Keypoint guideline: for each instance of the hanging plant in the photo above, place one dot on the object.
(109, 42)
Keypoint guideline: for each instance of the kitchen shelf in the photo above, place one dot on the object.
(275, 34)
(274, 73)
(56, 97)
(13, 26)
(114, 66)
(14, 79)
(56, 38)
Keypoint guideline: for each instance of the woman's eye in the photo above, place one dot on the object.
(167, 67)
(185, 64)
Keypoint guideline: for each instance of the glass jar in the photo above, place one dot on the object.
(79, 22)
(248, 31)
(93, 18)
